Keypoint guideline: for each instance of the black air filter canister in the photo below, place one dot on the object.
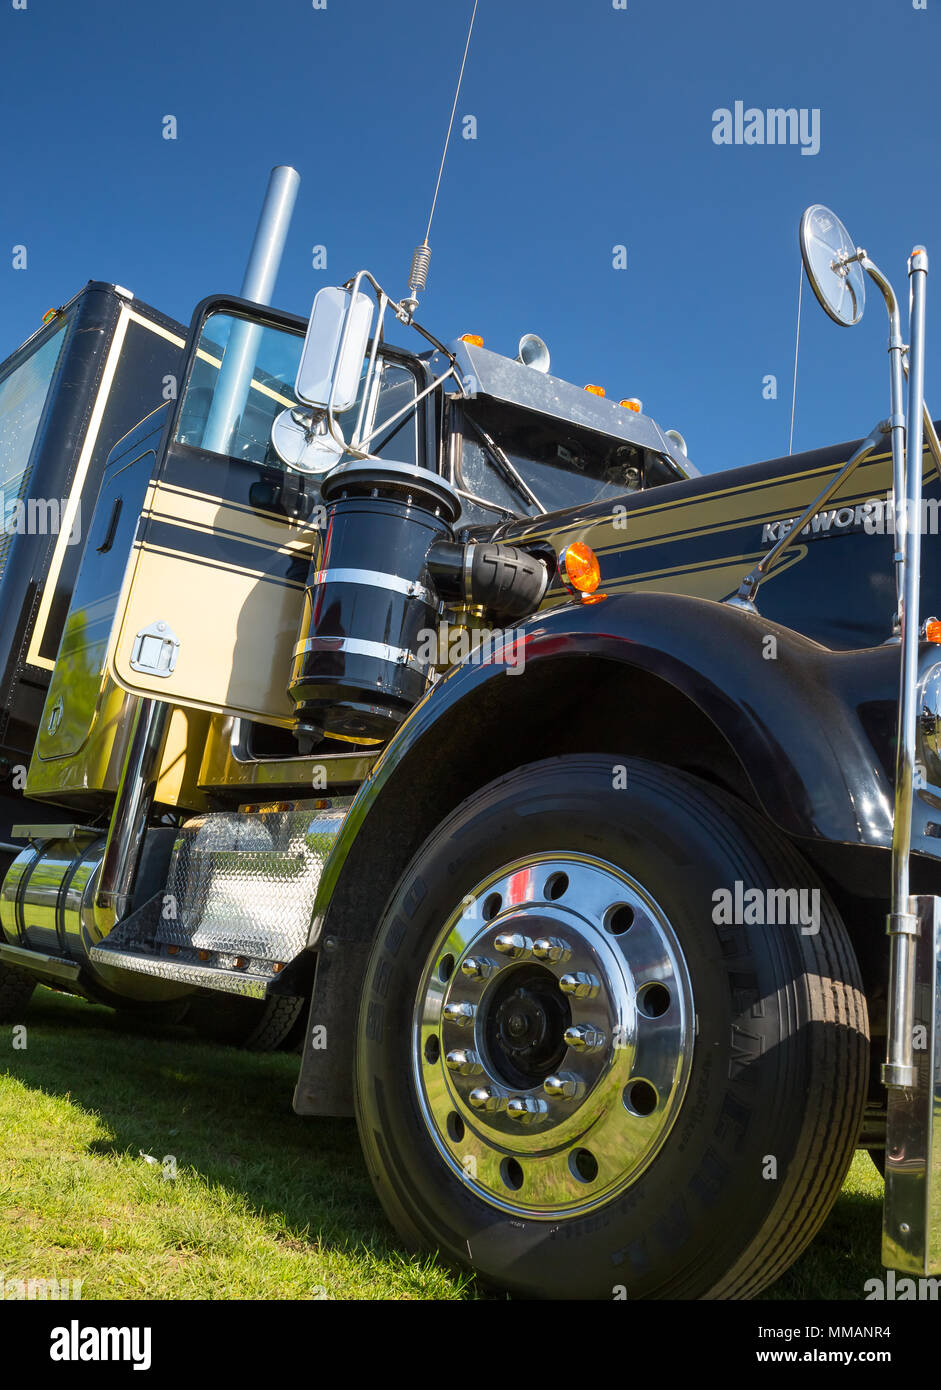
(357, 670)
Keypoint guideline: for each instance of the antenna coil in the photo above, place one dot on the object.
(418, 275)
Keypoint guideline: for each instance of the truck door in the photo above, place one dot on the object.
(212, 594)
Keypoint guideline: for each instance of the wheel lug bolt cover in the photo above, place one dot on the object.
(551, 948)
(565, 1086)
(513, 944)
(477, 967)
(463, 1061)
(482, 1098)
(461, 1014)
(580, 984)
(584, 1038)
(525, 1109)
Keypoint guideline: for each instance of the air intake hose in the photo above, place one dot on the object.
(502, 578)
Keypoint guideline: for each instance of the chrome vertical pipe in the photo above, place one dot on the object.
(261, 273)
(896, 419)
(131, 812)
(899, 1069)
(271, 234)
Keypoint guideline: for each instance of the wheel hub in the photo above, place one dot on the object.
(524, 1023)
(553, 1035)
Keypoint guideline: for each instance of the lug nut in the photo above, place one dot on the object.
(551, 948)
(482, 1098)
(584, 1038)
(477, 967)
(512, 943)
(525, 1109)
(461, 1014)
(463, 1061)
(565, 1086)
(580, 984)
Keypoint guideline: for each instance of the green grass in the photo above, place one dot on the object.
(265, 1205)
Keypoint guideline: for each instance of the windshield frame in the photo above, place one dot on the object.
(282, 321)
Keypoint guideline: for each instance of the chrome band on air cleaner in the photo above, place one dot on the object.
(358, 646)
(411, 588)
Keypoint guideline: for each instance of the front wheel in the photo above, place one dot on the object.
(584, 1068)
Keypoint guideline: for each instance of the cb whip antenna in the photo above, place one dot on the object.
(418, 273)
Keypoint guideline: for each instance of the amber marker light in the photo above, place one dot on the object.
(579, 569)
(473, 339)
(632, 403)
(595, 390)
(933, 630)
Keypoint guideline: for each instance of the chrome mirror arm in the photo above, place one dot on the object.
(899, 1067)
(897, 416)
(745, 597)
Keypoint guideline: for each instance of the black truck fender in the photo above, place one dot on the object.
(800, 732)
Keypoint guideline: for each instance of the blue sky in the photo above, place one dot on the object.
(594, 130)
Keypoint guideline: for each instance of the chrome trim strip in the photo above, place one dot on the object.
(39, 963)
(358, 646)
(377, 580)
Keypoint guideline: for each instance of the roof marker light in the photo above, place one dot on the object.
(473, 338)
(632, 403)
(595, 390)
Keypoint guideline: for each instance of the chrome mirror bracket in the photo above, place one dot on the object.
(745, 596)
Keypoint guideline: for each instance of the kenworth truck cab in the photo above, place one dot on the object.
(578, 817)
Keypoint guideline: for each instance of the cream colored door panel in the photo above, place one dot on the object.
(213, 594)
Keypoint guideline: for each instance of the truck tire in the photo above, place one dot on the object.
(256, 1025)
(16, 989)
(574, 1076)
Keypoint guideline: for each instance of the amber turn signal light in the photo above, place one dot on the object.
(579, 567)
(933, 630)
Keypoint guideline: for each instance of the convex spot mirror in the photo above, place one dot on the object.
(334, 347)
(302, 440)
(826, 250)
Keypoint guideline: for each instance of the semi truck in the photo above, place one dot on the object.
(575, 815)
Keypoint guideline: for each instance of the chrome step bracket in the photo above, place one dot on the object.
(133, 945)
(911, 1229)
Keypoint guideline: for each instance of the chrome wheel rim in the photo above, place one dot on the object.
(552, 1035)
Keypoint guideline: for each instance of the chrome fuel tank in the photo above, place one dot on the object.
(47, 905)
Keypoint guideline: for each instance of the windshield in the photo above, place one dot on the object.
(23, 393)
(515, 461)
(243, 377)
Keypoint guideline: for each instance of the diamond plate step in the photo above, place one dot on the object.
(243, 883)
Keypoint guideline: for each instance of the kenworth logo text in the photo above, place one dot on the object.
(875, 517)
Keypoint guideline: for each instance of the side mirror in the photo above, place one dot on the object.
(832, 265)
(303, 441)
(334, 348)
